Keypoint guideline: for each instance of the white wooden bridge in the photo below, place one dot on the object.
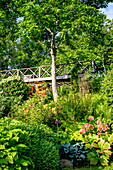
(43, 73)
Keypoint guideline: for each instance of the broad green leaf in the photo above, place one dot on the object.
(16, 157)
(107, 152)
(110, 139)
(2, 147)
(2, 154)
(13, 154)
(9, 158)
(88, 145)
(103, 160)
(22, 146)
(15, 138)
(18, 167)
(12, 148)
(6, 168)
(99, 151)
(24, 162)
(95, 145)
(16, 130)
(106, 145)
(3, 161)
(10, 134)
(12, 168)
(93, 159)
(101, 143)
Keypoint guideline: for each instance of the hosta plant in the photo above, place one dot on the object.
(12, 151)
(76, 153)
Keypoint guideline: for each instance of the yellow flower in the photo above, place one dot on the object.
(44, 106)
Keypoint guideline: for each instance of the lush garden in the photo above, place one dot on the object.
(76, 131)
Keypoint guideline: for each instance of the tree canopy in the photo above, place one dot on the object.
(24, 51)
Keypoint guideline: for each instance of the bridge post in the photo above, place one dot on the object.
(39, 72)
(65, 69)
(93, 67)
(17, 72)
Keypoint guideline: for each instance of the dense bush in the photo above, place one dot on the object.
(42, 143)
(14, 87)
(13, 92)
(94, 82)
(5, 105)
(27, 146)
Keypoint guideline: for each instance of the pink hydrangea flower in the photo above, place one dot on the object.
(86, 129)
(98, 122)
(100, 126)
(82, 131)
(91, 118)
(82, 127)
(91, 127)
(99, 133)
(86, 125)
(104, 128)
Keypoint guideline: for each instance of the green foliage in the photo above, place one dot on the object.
(12, 151)
(78, 107)
(43, 110)
(105, 108)
(32, 110)
(107, 86)
(14, 87)
(42, 143)
(69, 109)
(12, 92)
(64, 90)
(94, 82)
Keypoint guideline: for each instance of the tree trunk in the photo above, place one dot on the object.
(53, 55)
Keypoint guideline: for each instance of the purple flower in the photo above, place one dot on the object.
(4, 92)
(68, 121)
(56, 121)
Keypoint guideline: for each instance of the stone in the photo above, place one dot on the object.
(65, 163)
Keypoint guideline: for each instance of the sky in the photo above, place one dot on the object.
(108, 11)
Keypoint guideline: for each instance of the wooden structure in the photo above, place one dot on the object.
(43, 73)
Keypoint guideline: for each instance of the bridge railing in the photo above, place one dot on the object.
(45, 71)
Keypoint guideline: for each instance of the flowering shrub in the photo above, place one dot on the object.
(99, 128)
(96, 136)
(39, 88)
